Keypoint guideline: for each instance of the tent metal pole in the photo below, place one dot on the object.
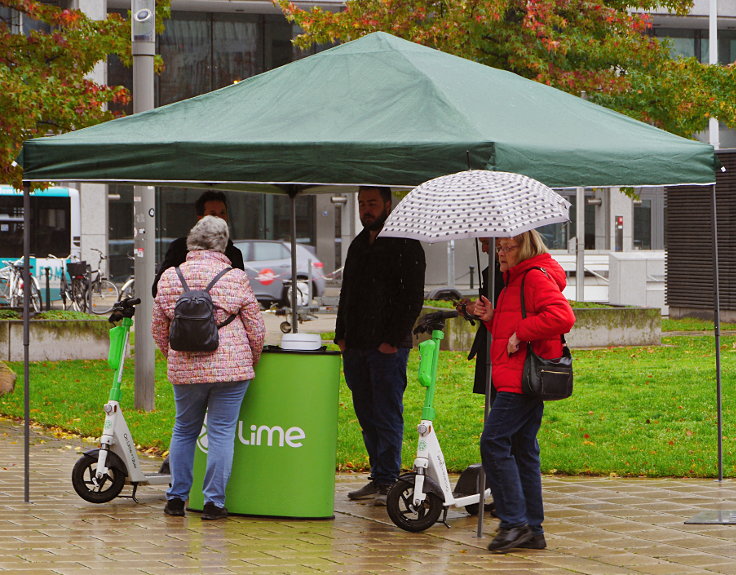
(491, 295)
(294, 299)
(717, 328)
(26, 340)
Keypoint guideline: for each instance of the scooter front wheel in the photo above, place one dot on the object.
(107, 489)
(403, 512)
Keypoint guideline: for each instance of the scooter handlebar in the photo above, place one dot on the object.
(432, 321)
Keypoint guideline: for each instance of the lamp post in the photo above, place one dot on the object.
(143, 30)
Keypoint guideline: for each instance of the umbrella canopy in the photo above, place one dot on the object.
(475, 203)
(378, 110)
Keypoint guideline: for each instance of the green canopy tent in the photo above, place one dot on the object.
(378, 110)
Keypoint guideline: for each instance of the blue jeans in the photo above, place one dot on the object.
(221, 403)
(377, 381)
(510, 454)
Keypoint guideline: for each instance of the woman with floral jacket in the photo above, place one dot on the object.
(208, 382)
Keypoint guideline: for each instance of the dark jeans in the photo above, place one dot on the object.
(510, 454)
(377, 381)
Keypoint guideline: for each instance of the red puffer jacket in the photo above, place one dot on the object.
(548, 315)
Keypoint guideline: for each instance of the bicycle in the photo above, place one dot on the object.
(11, 286)
(90, 291)
(128, 288)
(102, 292)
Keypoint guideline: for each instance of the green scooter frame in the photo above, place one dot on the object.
(100, 474)
(416, 501)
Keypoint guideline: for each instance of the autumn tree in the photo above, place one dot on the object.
(44, 84)
(602, 48)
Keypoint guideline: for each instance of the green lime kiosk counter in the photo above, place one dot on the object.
(286, 439)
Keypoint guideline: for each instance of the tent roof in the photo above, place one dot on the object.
(378, 110)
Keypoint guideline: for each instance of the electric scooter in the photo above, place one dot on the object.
(100, 474)
(416, 501)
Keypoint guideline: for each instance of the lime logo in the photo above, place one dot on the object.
(260, 435)
(270, 436)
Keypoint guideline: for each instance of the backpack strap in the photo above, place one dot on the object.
(217, 277)
(181, 279)
(209, 287)
(523, 307)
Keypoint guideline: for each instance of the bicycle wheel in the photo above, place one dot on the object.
(128, 290)
(35, 297)
(79, 295)
(103, 295)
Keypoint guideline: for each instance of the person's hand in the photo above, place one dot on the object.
(341, 345)
(387, 348)
(465, 307)
(513, 345)
(483, 309)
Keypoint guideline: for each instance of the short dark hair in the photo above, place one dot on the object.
(209, 196)
(385, 191)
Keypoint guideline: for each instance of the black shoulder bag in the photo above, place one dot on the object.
(545, 379)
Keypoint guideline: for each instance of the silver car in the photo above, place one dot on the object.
(268, 264)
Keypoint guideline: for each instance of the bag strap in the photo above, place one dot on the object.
(523, 306)
(523, 279)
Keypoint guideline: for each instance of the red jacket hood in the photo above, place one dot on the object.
(547, 262)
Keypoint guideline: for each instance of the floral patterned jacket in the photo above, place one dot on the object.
(241, 341)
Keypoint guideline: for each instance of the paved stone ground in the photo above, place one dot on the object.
(596, 526)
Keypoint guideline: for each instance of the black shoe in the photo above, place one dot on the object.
(536, 542)
(380, 500)
(174, 507)
(368, 490)
(212, 511)
(507, 539)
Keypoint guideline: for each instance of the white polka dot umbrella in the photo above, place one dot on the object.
(475, 204)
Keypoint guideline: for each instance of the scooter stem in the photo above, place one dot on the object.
(116, 356)
(429, 352)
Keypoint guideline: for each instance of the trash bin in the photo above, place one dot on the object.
(286, 439)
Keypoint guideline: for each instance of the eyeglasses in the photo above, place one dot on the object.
(505, 249)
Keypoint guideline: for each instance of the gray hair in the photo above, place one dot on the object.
(209, 233)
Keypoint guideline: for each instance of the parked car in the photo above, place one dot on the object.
(268, 264)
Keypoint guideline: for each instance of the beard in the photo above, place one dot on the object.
(376, 224)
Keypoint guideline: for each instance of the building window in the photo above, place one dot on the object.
(695, 44)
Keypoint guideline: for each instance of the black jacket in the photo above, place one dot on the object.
(382, 292)
(177, 252)
(479, 349)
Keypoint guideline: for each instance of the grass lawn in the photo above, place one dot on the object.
(636, 411)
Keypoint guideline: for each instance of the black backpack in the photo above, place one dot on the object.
(194, 327)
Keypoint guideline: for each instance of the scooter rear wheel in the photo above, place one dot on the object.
(401, 510)
(82, 479)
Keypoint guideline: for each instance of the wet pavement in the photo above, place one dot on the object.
(596, 526)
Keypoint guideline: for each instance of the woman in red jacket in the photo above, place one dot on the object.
(509, 447)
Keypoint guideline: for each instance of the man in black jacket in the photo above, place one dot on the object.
(382, 295)
(210, 203)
